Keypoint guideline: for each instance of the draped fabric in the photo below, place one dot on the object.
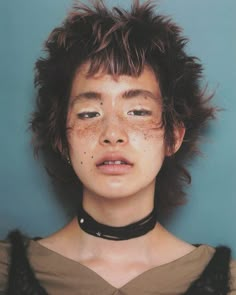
(204, 271)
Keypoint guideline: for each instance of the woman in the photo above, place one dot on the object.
(119, 113)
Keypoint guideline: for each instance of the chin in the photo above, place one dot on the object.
(115, 192)
(118, 187)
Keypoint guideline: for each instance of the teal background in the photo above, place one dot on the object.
(26, 198)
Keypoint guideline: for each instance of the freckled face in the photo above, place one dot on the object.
(116, 142)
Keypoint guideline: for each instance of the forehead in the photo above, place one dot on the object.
(105, 84)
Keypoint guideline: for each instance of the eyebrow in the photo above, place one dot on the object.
(138, 92)
(90, 95)
(132, 93)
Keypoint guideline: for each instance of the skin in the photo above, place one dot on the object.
(116, 125)
(117, 117)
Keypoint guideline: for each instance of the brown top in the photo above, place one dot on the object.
(60, 275)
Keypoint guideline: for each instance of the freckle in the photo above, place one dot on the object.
(101, 103)
(92, 157)
(81, 163)
(85, 153)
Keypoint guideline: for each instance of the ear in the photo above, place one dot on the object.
(179, 132)
(59, 148)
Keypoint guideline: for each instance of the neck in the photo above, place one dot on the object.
(117, 233)
(90, 246)
(116, 212)
(119, 211)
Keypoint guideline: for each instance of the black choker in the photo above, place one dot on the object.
(133, 230)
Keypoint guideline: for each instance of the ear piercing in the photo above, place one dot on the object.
(68, 158)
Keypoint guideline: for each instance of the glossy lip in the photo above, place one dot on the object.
(116, 169)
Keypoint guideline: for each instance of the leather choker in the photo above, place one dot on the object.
(130, 231)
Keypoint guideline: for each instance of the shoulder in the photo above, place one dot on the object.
(224, 260)
(4, 264)
(233, 277)
(14, 246)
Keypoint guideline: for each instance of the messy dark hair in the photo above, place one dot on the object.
(121, 42)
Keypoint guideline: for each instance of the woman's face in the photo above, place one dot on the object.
(116, 142)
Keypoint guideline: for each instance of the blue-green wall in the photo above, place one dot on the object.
(26, 199)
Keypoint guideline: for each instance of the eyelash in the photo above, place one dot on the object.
(90, 115)
(141, 112)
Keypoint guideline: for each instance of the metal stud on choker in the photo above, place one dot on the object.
(115, 233)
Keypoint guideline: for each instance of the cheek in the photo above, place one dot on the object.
(150, 143)
(81, 145)
(82, 132)
(151, 134)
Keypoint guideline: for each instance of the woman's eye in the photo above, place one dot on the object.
(140, 113)
(88, 115)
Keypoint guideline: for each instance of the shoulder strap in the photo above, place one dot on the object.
(215, 279)
(21, 277)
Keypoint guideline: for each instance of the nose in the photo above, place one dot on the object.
(113, 133)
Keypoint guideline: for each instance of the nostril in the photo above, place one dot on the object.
(120, 140)
(117, 141)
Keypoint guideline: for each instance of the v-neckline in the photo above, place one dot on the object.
(61, 259)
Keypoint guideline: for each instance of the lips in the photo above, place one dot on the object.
(114, 164)
(113, 160)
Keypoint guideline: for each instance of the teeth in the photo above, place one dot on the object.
(113, 162)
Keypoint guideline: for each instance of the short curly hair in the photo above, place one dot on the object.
(122, 42)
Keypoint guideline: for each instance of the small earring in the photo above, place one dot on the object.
(68, 158)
